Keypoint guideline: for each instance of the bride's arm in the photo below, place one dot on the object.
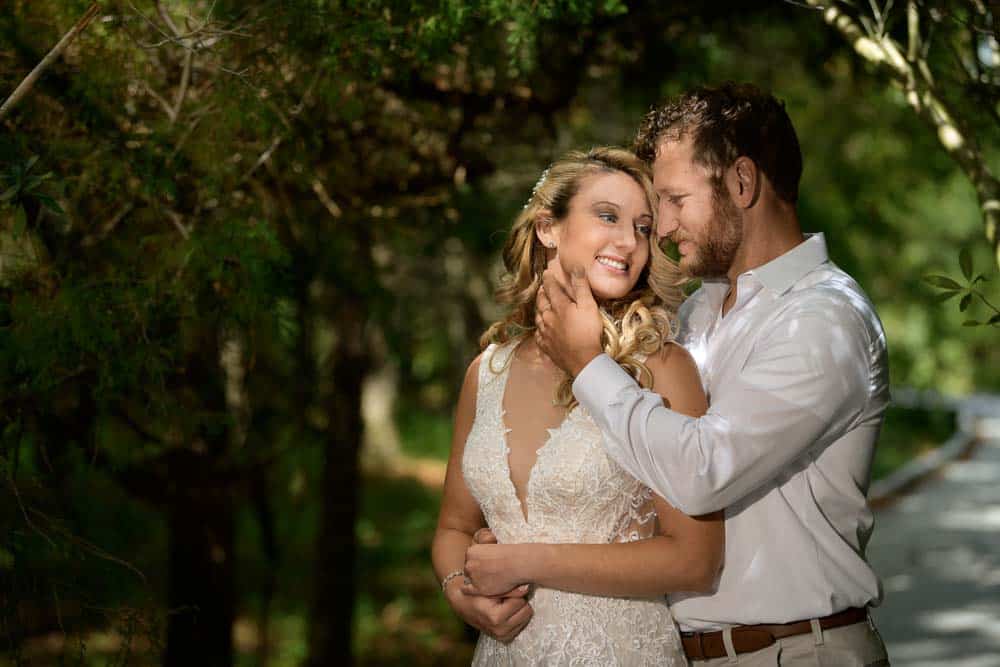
(685, 555)
(458, 521)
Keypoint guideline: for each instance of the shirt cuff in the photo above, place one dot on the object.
(601, 383)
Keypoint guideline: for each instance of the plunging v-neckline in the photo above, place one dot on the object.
(504, 430)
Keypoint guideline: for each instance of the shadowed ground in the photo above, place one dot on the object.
(938, 553)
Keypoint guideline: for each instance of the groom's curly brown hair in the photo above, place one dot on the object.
(725, 122)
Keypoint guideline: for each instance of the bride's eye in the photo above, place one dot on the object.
(644, 228)
(609, 218)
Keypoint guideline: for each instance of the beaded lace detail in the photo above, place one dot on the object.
(575, 494)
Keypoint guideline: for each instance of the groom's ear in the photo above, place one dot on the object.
(743, 182)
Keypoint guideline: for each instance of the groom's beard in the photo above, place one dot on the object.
(717, 249)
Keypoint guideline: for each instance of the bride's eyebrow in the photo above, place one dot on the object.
(606, 203)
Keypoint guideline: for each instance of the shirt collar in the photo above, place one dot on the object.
(715, 290)
(783, 271)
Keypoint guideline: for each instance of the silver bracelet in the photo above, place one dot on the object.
(449, 577)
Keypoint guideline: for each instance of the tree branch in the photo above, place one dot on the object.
(165, 15)
(138, 428)
(24, 512)
(924, 98)
(50, 58)
(324, 196)
(264, 157)
(913, 31)
(183, 88)
(169, 110)
(108, 226)
(175, 218)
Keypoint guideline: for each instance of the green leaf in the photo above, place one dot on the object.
(30, 163)
(971, 323)
(947, 294)
(943, 282)
(51, 204)
(994, 320)
(964, 303)
(978, 278)
(965, 261)
(32, 182)
(615, 7)
(20, 221)
(9, 193)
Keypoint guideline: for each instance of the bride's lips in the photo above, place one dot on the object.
(613, 264)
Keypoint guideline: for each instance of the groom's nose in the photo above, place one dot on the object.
(665, 226)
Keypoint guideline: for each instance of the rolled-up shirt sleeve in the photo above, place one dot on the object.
(804, 383)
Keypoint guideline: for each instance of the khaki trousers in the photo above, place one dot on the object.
(857, 645)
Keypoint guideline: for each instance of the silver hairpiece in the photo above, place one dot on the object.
(538, 185)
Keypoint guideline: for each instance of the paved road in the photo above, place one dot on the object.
(938, 553)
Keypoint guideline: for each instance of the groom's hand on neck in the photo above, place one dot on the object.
(568, 324)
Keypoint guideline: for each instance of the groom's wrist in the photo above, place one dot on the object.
(583, 360)
(599, 383)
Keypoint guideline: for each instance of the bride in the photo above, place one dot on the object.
(586, 553)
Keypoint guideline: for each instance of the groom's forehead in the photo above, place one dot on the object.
(675, 160)
(675, 148)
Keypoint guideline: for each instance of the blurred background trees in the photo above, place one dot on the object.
(943, 57)
(247, 249)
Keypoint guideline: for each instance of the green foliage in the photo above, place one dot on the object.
(95, 330)
(951, 288)
(908, 433)
(426, 31)
(20, 187)
(237, 270)
(334, 190)
(424, 433)
(395, 530)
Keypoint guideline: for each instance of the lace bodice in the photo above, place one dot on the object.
(575, 494)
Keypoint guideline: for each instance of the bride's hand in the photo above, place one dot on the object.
(492, 569)
(500, 618)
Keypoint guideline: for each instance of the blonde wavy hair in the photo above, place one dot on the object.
(636, 325)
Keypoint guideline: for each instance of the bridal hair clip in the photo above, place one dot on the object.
(538, 185)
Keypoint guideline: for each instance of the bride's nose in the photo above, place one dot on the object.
(626, 239)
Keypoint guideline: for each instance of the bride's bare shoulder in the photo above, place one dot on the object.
(676, 379)
(471, 381)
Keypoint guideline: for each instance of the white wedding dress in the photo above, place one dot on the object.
(576, 494)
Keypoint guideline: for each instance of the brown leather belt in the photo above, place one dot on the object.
(750, 638)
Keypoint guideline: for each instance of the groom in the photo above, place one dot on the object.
(793, 360)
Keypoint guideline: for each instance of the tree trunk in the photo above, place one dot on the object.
(200, 505)
(331, 619)
(201, 573)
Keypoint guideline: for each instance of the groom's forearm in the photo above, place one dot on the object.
(642, 569)
(617, 403)
(768, 415)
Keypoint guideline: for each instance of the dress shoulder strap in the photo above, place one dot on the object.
(493, 368)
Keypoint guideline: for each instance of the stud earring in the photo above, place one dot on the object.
(550, 244)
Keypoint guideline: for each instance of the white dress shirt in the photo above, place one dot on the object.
(797, 381)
